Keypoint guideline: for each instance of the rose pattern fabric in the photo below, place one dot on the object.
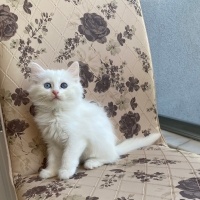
(129, 125)
(16, 127)
(94, 27)
(190, 188)
(102, 84)
(8, 23)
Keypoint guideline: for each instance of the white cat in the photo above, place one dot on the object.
(74, 129)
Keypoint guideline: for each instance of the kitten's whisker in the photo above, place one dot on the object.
(41, 98)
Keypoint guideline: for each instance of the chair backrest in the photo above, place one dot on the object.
(109, 40)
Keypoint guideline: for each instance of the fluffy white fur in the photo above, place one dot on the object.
(74, 129)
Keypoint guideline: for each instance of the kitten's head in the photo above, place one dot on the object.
(55, 88)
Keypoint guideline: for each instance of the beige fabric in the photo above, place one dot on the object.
(154, 173)
(109, 40)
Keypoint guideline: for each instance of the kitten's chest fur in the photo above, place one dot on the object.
(53, 126)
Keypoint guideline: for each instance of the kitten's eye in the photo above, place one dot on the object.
(47, 85)
(63, 85)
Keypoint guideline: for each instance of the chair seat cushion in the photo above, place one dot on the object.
(156, 172)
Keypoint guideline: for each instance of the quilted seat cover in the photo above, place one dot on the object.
(153, 173)
(109, 40)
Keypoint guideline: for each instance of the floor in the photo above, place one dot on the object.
(180, 142)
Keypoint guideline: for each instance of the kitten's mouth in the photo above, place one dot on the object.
(56, 98)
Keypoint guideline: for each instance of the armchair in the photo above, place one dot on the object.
(109, 40)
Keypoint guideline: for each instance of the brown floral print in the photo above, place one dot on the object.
(130, 197)
(8, 23)
(49, 190)
(111, 109)
(109, 10)
(129, 124)
(136, 6)
(94, 27)
(111, 179)
(190, 188)
(27, 5)
(133, 103)
(16, 127)
(20, 96)
(102, 84)
(76, 2)
(85, 74)
(144, 58)
(144, 177)
(132, 84)
(5, 95)
(79, 175)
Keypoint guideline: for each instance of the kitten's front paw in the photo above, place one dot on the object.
(65, 174)
(45, 173)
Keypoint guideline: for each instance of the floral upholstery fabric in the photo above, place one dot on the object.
(109, 40)
(153, 173)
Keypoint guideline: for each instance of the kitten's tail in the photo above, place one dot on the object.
(135, 143)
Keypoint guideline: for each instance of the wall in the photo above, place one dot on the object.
(174, 34)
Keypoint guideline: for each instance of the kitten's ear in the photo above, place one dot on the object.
(36, 69)
(74, 70)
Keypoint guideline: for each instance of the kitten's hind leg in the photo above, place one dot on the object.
(53, 163)
(102, 156)
(92, 163)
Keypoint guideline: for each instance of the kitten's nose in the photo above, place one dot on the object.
(55, 92)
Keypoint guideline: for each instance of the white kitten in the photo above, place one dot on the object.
(74, 129)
